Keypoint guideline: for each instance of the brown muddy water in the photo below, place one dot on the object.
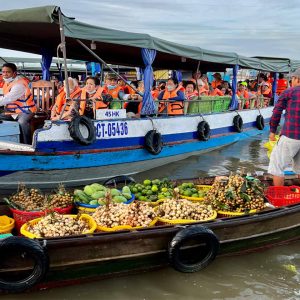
(270, 274)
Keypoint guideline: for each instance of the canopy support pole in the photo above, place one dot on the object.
(63, 49)
(109, 67)
(234, 102)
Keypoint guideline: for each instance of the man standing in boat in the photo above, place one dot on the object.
(288, 146)
(17, 100)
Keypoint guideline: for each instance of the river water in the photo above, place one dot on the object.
(271, 274)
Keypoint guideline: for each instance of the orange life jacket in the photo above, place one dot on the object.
(19, 105)
(98, 104)
(216, 92)
(61, 100)
(282, 85)
(215, 83)
(244, 94)
(191, 95)
(114, 92)
(174, 108)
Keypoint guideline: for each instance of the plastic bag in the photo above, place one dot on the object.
(270, 145)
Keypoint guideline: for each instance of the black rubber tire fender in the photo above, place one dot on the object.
(194, 232)
(153, 142)
(75, 133)
(124, 179)
(34, 250)
(238, 123)
(260, 122)
(203, 131)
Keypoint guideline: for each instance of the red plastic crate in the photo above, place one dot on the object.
(283, 195)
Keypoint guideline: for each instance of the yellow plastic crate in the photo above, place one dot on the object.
(228, 214)
(184, 221)
(92, 225)
(6, 224)
(124, 227)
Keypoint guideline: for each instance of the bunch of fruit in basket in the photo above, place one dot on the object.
(119, 214)
(236, 193)
(94, 194)
(60, 198)
(152, 190)
(182, 209)
(189, 189)
(55, 225)
(34, 200)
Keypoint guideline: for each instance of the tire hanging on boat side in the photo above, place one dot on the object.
(75, 133)
(153, 142)
(28, 248)
(193, 233)
(238, 123)
(203, 131)
(260, 122)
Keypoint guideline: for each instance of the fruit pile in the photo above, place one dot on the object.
(236, 194)
(189, 189)
(55, 225)
(96, 194)
(152, 190)
(33, 200)
(182, 209)
(118, 214)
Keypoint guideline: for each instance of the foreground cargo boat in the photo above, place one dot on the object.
(62, 261)
(121, 146)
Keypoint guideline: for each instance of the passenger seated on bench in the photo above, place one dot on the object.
(60, 101)
(91, 97)
(175, 96)
(17, 100)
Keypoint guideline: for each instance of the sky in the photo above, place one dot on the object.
(251, 28)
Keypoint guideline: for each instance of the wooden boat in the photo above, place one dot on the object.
(76, 259)
(120, 145)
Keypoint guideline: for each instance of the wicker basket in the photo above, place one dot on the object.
(92, 225)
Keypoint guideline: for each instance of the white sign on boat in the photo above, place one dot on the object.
(106, 114)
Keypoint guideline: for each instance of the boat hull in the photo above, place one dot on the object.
(84, 258)
(69, 162)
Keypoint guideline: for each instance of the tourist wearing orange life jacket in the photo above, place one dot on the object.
(175, 96)
(190, 90)
(282, 84)
(91, 97)
(17, 100)
(134, 108)
(75, 93)
(217, 80)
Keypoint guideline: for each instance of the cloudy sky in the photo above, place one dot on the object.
(251, 28)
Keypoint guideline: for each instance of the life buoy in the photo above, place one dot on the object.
(119, 179)
(153, 142)
(238, 123)
(28, 248)
(260, 122)
(75, 128)
(193, 233)
(203, 131)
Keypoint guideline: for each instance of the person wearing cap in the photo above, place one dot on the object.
(217, 80)
(112, 88)
(287, 149)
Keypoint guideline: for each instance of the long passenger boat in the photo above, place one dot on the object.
(120, 144)
(51, 262)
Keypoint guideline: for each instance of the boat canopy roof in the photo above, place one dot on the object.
(28, 29)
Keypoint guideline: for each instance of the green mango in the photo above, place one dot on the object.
(101, 202)
(115, 192)
(97, 195)
(119, 199)
(127, 195)
(82, 196)
(97, 187)
(94, 202)
(88, 190)
(126, 190)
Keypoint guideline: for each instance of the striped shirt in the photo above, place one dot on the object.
(290, 101)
